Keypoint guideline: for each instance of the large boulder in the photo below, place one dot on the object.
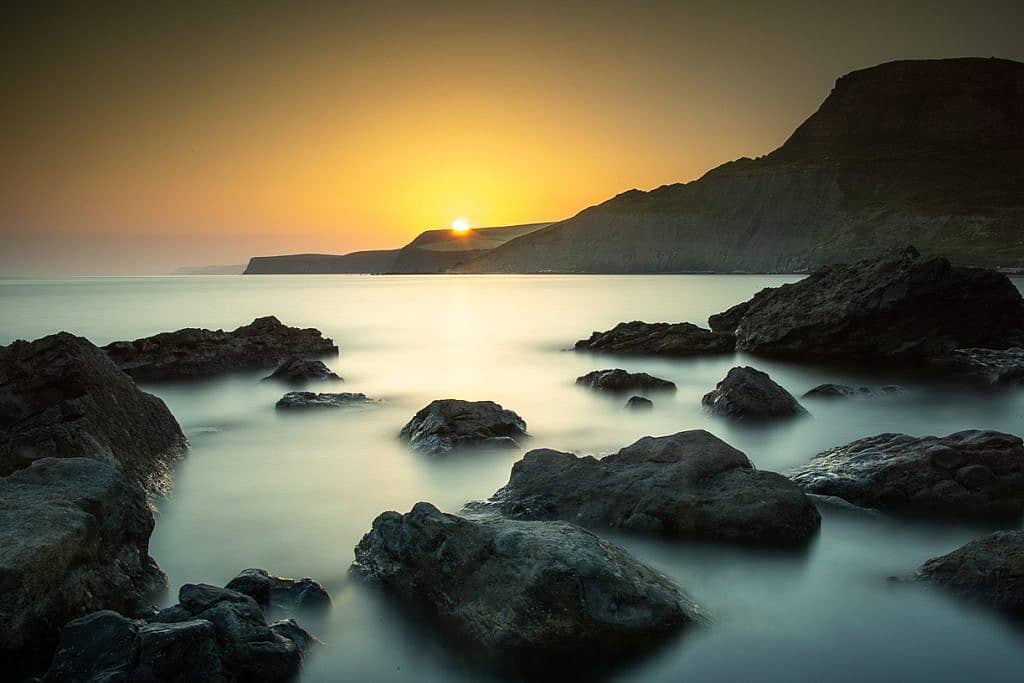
(193, 353)
(967, 475)
(214, 635)
(899, 306)
(620, 381)
(298, 370)
(529, 592)
(748, 393)
(988, 570)
(61, 397)
(447, 424)
(658, 339)
(74, 538)
(690, 485)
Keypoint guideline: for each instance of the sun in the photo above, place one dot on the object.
(460, 226)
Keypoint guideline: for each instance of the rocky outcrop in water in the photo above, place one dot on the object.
(992, 366)
(901, 306)
(832, 391)
(74, 537)
(447, 424)
(299, 370)
(689, 485)
(193, 353)
(619, 381)
(658, 339)
(214, 635)
(529, 593)
(989, 570)
(639, 403)
(747, 393)
(298, 400)
(967, 475)
(281, 592)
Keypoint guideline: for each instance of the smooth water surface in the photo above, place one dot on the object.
(294, 492)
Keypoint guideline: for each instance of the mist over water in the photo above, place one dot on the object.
(293, 493)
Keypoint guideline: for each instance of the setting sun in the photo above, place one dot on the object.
(460, 226)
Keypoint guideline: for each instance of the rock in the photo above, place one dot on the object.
(973, 474)
(901, 306)
(529, 593)
(658, 339)
(450, 423)
(749, 393)
(690, 485)
(224, 638)
(846, 391)
(993, 366)
(639, 403)
(61, 397)
(193, 353)
(989, 570)
(619, 380)
(74, 538)
(298, 370)
(281, 592)
(308, 399)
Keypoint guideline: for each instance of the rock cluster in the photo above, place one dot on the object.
(748, 393)
(447, 424)
(989, 570)
(620, 381)
(298, 370)
(307, 399)
(658, 339)
(280, 592)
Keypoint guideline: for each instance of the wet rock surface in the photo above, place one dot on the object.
(61, 397)
(748, 393)
(658, 339)
(525, 593)
(299, 370)
(620, 381)
(989, 570)
(690, 485)
(193, 353)
(972, 474)
(992, 366)
(830, 391)
(447, 424)
(298, 400)
(281, 592)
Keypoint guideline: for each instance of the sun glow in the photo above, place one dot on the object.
(460, 226)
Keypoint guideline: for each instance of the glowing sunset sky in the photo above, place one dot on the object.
(138, 140)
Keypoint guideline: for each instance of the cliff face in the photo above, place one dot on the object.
(923, 152)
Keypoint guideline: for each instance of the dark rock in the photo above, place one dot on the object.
(988, 570)
(639, 403)
(290, 630)
(846, 391)
(74, 538)
(967, 475)
(619, 380)
(298, 370)
(689, 485)
(994, 366)
(61, 397)
(450, 423)
(749, 393)
(281, 592)
(194, 353)
(531, 592)
(658, 339)
(308, 399)
(896, 307)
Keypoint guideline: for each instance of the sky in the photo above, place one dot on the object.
(139, 137)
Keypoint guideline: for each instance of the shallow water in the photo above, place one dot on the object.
(294, 492)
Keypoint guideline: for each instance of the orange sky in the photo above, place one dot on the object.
(137, 140)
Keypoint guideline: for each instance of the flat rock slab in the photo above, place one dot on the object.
(193, 353)
(973, 474)
(447, 424)
(62, 397)
(993, 366)
(620, 381)
(299, 400)
(690, 485)
(989, 570)
(658, 339)
(531, 593)
(301, 370)
(748, 393)
(829, 391)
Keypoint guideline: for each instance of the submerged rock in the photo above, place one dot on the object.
(193, 353)
(846, 391)
(61, 397)
(74, 538)
(531, 593)
(639, 403)
(447, 424)
(665, 339)
(988, 570)
(619, 380)
(899, 306)
(308, 399)
(298, 370)
(690, 485)
(281, 592)
(967, 475)
(749, 393)
(993, 366)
